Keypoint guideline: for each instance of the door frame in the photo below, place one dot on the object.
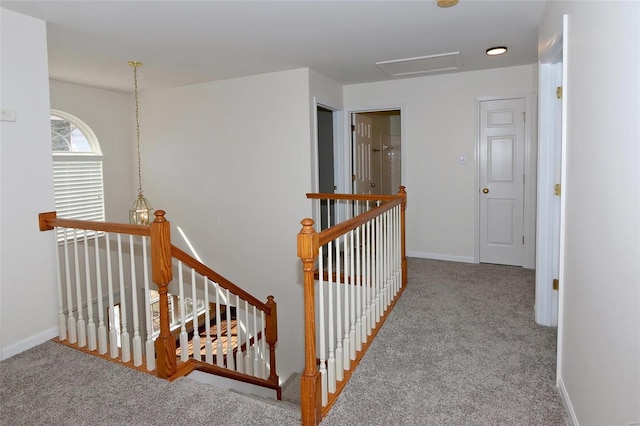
(347, 151)
(530, 172)
(338, 156)
(549, 231)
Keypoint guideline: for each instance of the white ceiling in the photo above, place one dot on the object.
(184, 42)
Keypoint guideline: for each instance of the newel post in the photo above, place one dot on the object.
(162, 275)
(272, 339)
(311, 402)
(403, 242)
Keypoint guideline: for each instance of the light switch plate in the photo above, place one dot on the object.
(7, 114)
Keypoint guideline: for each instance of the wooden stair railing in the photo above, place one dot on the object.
(309, 247)
(163, 254)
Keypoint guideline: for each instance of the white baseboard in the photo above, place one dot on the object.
(573, 420)
(29, 343)
(463, 259)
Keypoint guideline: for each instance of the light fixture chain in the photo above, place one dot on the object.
(135, 87)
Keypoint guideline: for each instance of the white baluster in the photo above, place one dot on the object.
(376, 267)
(331, 361)
(102, 330)
(263, 347)
(91, 327)
(248, 359)
(136, 343)
(71, 320)
(371, 310)
(62, 327)
(347, 283)
(230, 363)
(360, 291)
(150, 350)
(322, 330)
(340, 285)
(82, 327)
(256, 348)
(125, 345)
(239, 338)
(195, 341)
(219, 350)
(353, 333)
(208, 348)
(184, 336)
(113, 333)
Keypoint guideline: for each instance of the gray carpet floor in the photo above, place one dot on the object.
(460, 348)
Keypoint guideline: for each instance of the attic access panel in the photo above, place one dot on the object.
(421, 65)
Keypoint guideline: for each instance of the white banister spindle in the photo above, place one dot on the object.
(150, 350)
(136, 343)
(352, 299)
(331, 361)
(195, 341)
(124, 333)
(368, 285)
(113, 333)
(322, 329)
(208, 347)
(219, 350)
(360, 291)
(340, 285)
(230, 363)
(102, 329)
(71, 320)
(184, 337)
(239, 337)
(82, 327)
(256, 348)
(377, 270)
(91, 327)
(62, 327)
(248, 359)
(347, 285)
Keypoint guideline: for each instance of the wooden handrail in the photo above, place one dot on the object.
(49, 220)
(336, 231)
(204, 270)
(352, 197)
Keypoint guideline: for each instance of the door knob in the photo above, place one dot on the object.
(372, 185)
(485, 191)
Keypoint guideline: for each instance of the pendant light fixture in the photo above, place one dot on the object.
(142, 210)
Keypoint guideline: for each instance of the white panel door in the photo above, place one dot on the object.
(502, 181)
(362, 149)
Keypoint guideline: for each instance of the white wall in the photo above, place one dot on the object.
(229, 162)
(439, 119)
(111, 117)
(27, 271)
(599, 326)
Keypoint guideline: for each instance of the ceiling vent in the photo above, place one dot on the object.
(422, 65)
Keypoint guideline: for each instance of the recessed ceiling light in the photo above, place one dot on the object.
(447, 3)
(498, 50)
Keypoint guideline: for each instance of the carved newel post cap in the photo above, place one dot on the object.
(160, 216)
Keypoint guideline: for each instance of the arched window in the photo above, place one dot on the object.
(77, 169)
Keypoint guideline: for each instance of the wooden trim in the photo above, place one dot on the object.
(272, 338)
(310, 385)
(231, 374)
(48, 221)
(214, 276)
(44, 220)
(353, 197)
(162, 273)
